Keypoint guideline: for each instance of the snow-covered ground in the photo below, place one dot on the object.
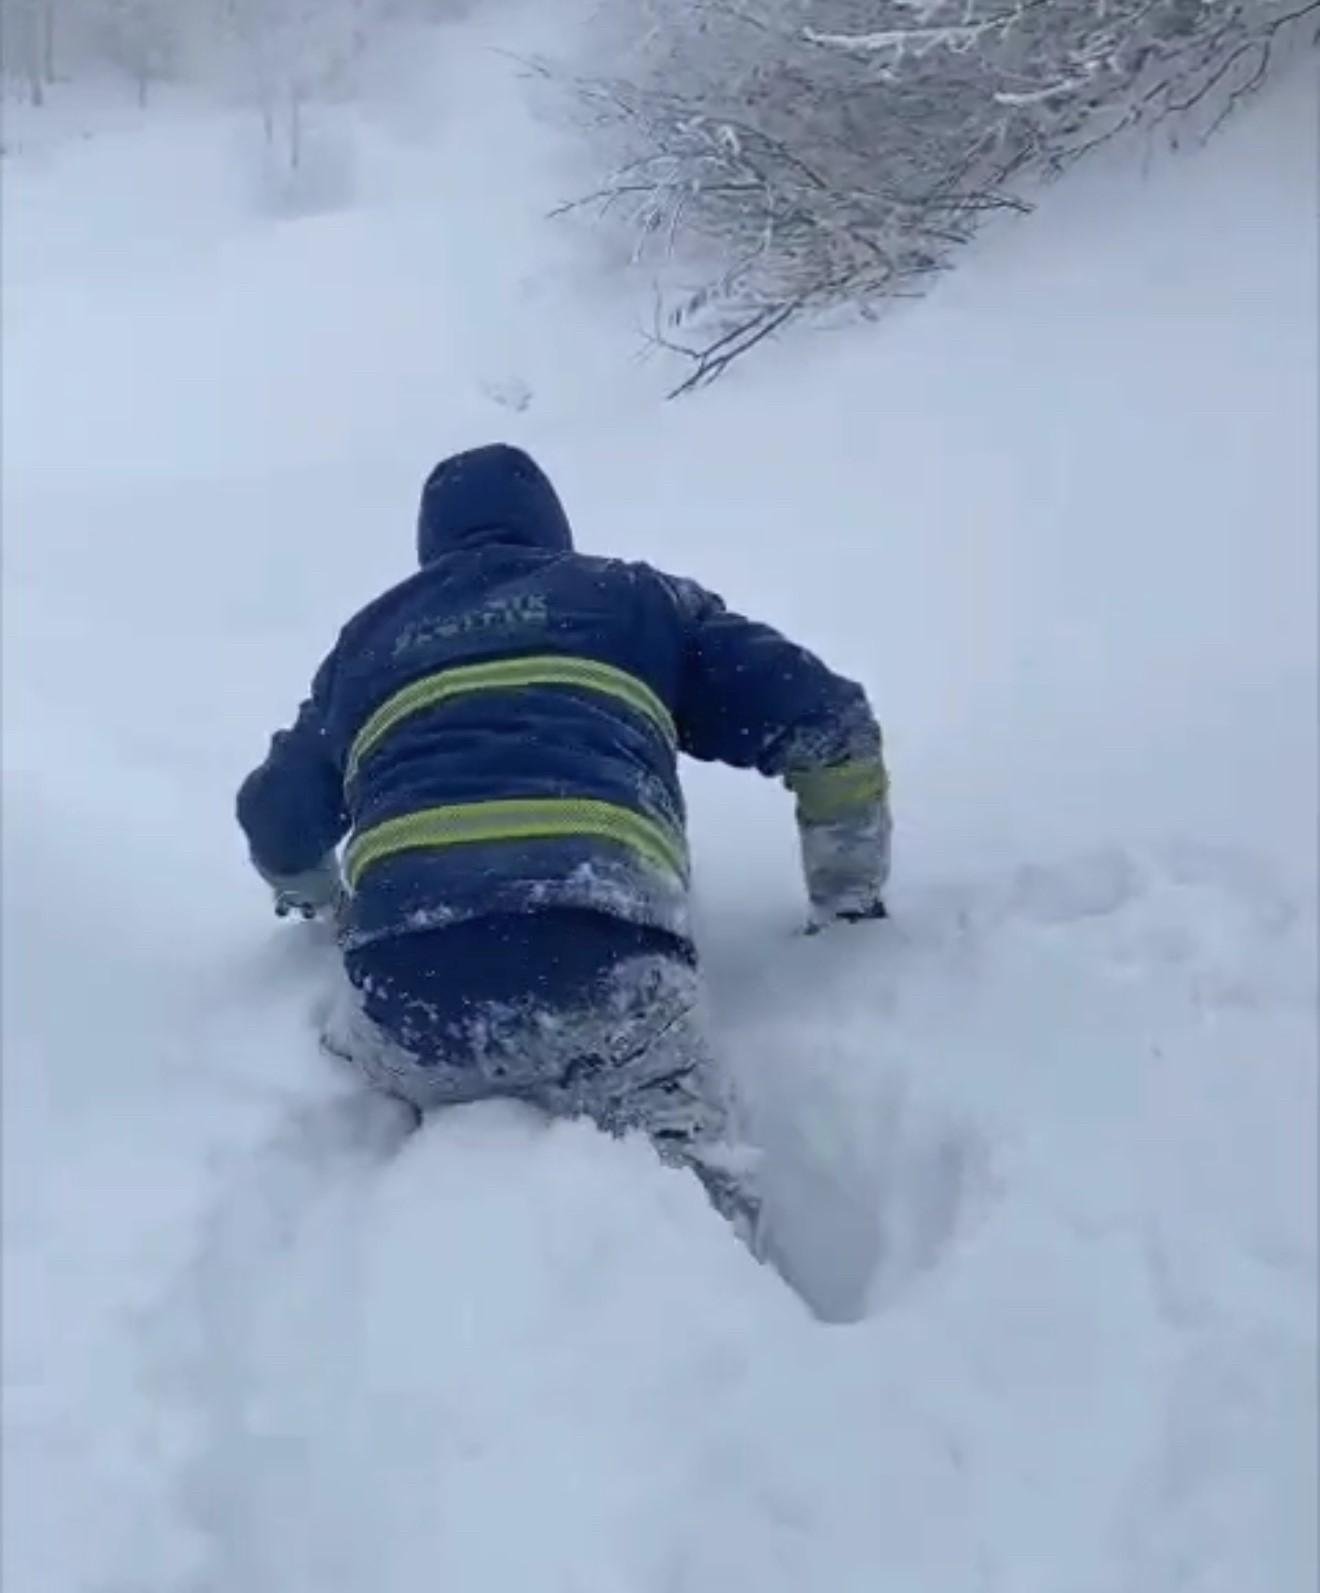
(1043, 1146)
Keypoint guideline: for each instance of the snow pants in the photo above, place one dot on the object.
(575, 1012)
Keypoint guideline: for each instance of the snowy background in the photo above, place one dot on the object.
(1041, 1149)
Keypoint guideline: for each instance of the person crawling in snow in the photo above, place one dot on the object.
(498, 737)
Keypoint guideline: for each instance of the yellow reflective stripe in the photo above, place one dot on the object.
(826, 794)
(509, 674)
(522, 820)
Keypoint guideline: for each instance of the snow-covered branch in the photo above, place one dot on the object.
(898, 39)
(827, 152)
(1023, 98)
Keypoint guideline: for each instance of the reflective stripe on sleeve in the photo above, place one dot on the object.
(827, 794)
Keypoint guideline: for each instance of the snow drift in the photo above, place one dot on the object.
(1042, 1148)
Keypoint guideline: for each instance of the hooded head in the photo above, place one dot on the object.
(494, 495)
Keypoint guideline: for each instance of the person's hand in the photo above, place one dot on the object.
(313, 892)
(862, 915)
(846, 863)
(872, 912)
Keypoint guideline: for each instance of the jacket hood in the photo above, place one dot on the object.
(495, 495)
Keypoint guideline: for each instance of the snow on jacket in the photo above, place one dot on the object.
(500, 732)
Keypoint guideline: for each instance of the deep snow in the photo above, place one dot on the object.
(1048, 1137)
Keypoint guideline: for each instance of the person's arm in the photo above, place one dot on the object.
(292, 810)
(751, 698)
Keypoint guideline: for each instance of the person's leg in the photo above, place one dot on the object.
(376, 1053)
(581, 1013)
(641, 1061)
(475, 1009)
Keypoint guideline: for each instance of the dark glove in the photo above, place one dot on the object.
(877, 909)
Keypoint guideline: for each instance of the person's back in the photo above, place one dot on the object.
(500, 733)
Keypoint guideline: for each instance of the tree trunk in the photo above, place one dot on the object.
(295, 127)
(48, 40)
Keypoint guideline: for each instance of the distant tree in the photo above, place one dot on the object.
(283, 54)
(28, 34)
(291, 52)
(141, 37)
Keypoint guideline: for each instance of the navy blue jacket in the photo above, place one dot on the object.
(500, 731)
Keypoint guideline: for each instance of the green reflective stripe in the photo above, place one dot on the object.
(837, 793)
(524, 820)
(509, 674)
